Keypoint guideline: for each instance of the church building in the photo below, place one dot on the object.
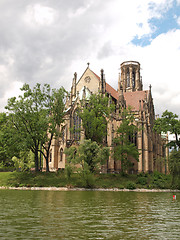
(151, 146)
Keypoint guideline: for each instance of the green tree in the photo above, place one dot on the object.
(24, 162)
(94, 114)
(36, 116)
(89, 155)
(124, 148)
(8, 148)
(169, 122)
(174, 166)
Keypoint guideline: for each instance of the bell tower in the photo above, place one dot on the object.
(130, 77)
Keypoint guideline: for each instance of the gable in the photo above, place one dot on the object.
(89, 80)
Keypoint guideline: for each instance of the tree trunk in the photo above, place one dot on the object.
(36, 160)
(47, 163)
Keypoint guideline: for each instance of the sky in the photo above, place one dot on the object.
(46, 41)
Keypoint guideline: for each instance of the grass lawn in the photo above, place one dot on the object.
(59, 179)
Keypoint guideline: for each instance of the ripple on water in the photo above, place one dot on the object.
(88, 215)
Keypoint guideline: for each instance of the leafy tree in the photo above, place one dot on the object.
(24, 162)
(174, 166)
(94, 114)
(169, 122)
(8, 148)
(89, 155)
(35, 117)
(123, 146)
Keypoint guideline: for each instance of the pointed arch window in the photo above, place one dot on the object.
(61, 155)
(133, 139)
(76, 126)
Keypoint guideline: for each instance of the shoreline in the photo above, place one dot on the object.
(89, 189)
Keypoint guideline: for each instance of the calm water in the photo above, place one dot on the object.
(88, 215)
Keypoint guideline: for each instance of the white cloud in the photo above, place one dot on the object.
(178, 21)
(14, 90)
(39, 15)
(78, 12)
(160, 63)
(47, 41)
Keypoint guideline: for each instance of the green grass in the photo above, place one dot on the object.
(4, 178)
(42, 179)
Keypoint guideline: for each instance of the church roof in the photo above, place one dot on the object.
(133, 98)
(95, 75)
(111, 91)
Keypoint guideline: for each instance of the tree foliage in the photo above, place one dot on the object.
(35, 116)
(8, 148)
(94, 114)
(169, 122)
(124, 148)
(89, 155)
(174, 166)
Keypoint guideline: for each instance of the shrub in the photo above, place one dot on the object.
(121, 186)
(142, 180)
(7, 169)
(131, 185)
(68, 172)
(160, 180)
(88, 179)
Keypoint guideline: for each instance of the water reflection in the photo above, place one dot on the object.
(88, 215)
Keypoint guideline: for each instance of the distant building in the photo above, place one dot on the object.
(130, 92)
(172, 138)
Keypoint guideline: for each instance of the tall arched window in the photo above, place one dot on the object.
(133, 79)
(61, 155)
(76, 126)
(133, 138)
(128, 78)
(112, 133)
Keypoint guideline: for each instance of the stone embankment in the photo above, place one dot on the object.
(87, 189)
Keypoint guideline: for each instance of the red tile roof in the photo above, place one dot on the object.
(109, 89)
(112, 91)
(132, 98)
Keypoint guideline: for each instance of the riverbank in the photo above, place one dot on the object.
(87, 189)
(60, 180)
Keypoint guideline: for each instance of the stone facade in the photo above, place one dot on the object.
(130, 92)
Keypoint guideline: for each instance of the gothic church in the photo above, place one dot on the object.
(151, 145)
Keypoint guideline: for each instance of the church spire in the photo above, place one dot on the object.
(119, 82)
(74, 85)
(102, 83)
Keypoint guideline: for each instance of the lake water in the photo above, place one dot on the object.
(88, 215)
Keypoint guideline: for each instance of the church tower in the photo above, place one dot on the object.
(130, 77)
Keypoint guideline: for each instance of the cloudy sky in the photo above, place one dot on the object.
(46, 41)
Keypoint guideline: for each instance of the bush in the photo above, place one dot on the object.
(88, 179)
(160, 180)
(142, 180)
(7, 169)
(121, 186)
(131, 185)
(68, 172)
